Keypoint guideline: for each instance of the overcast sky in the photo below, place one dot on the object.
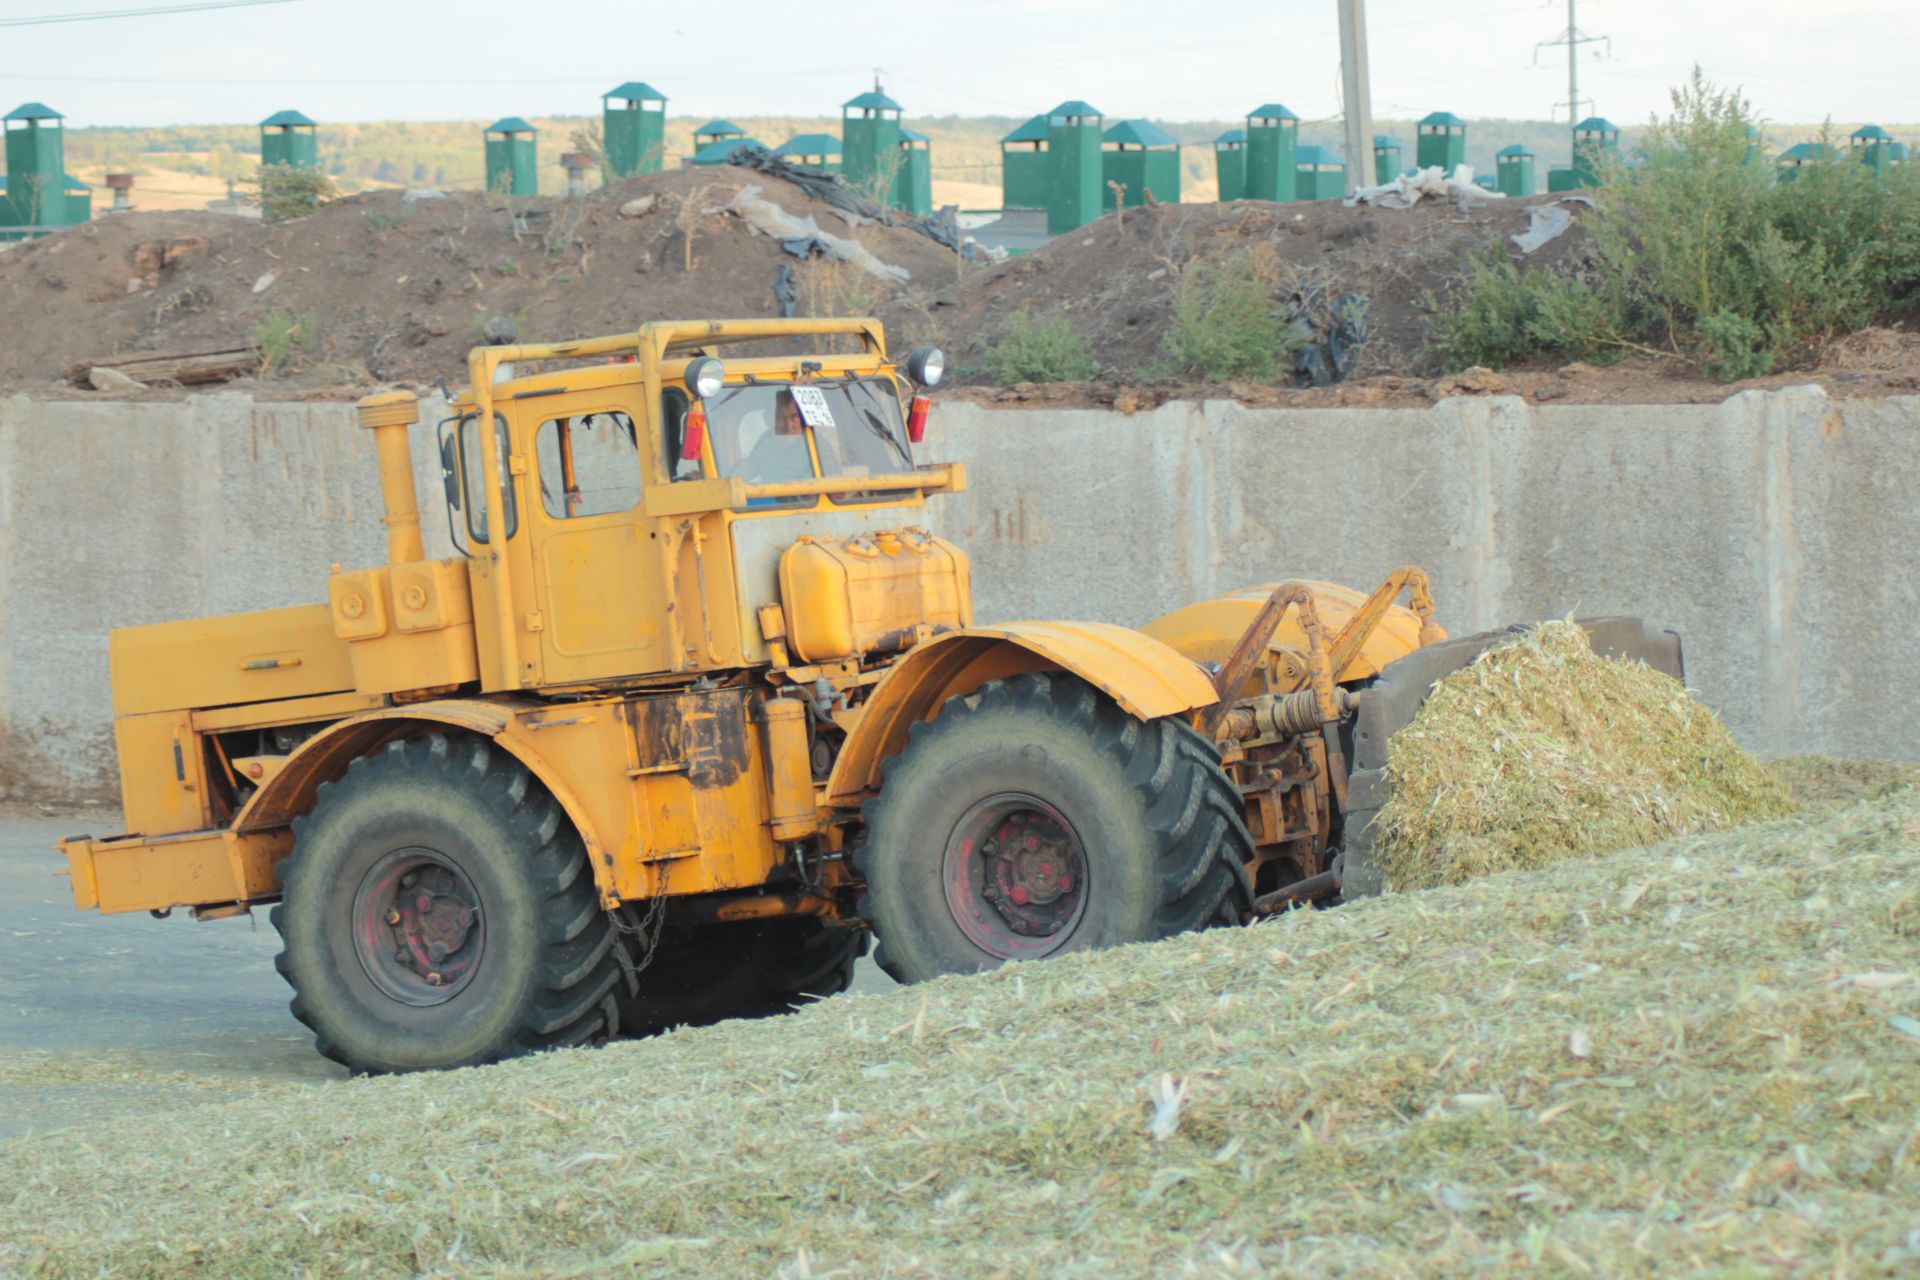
(342, 60)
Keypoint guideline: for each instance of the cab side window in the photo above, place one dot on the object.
(589, 465)
(472, 442)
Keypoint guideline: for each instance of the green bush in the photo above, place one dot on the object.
(1035, 350)
(280, 335)
(1224, 325)
(287, 192)
(1699, 254)
(1505, 314)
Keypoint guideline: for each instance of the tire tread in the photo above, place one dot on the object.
(580, 967)
(1188, 800)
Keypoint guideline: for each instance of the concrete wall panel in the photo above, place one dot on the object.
(1774, 531)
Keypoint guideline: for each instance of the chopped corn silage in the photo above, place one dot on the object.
(1541, 750)
(1701, 1058)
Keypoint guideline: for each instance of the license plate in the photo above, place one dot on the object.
(812, 403)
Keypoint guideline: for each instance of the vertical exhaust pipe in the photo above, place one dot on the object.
(388, 415)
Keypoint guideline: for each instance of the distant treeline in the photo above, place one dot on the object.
(965, 149)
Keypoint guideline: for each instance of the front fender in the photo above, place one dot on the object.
(1145, 677)
(326, 755)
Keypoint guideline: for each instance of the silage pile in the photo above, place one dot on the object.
(1701, 1058)
(1540, 751)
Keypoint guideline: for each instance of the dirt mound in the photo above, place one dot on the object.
(1117, 279)
(373, 289)
(377, 289)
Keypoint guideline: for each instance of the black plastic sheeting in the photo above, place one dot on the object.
(1334, 328)
(804, 247)
(786, 294)
(941, 228)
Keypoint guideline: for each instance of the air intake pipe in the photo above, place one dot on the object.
(388, 415)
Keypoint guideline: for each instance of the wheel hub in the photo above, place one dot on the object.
(433, 922)
(1030, 873)
(418, 930)
(1016, 876)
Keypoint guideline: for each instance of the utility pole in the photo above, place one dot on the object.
(1573, 40)
(1354, 88)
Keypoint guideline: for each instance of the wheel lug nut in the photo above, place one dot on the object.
(403, 956)
(406, 881)
(393, 917)
(434, 979)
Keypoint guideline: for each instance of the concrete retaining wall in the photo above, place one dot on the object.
(1774, 531)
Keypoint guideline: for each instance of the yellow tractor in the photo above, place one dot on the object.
(701, 705)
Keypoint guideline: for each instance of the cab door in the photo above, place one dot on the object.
(599, 604)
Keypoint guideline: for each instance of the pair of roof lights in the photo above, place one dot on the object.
(706, 376)
(926, 366)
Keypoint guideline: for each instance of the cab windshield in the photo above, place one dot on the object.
(770, 432)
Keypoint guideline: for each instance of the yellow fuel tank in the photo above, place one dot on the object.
(876, 593)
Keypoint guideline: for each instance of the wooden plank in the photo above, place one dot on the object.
(188, 368)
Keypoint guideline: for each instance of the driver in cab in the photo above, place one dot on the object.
(781, 453)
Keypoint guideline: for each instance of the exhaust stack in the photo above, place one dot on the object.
(388, 415)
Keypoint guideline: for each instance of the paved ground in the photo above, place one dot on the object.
(130, 1016)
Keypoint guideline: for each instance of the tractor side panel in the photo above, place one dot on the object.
(225, 661)
(701, 797)
(163, 773)
(669, 789)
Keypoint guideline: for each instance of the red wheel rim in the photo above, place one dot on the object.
(1015, 876)
(417, 928)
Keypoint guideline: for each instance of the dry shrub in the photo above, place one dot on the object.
(1542, 751)
(832, 288)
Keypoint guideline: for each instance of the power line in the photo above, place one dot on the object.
(98, 15)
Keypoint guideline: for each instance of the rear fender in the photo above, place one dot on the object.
(324, 757)
(1144, 676)
(1208, 630)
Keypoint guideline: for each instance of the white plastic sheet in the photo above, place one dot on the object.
(1545, 222)
(764, 215)
(1432, 183)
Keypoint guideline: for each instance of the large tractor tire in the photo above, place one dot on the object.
(708, 973)
(438, 911)
(1036, 817)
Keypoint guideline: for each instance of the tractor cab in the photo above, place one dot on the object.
(663, 498)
